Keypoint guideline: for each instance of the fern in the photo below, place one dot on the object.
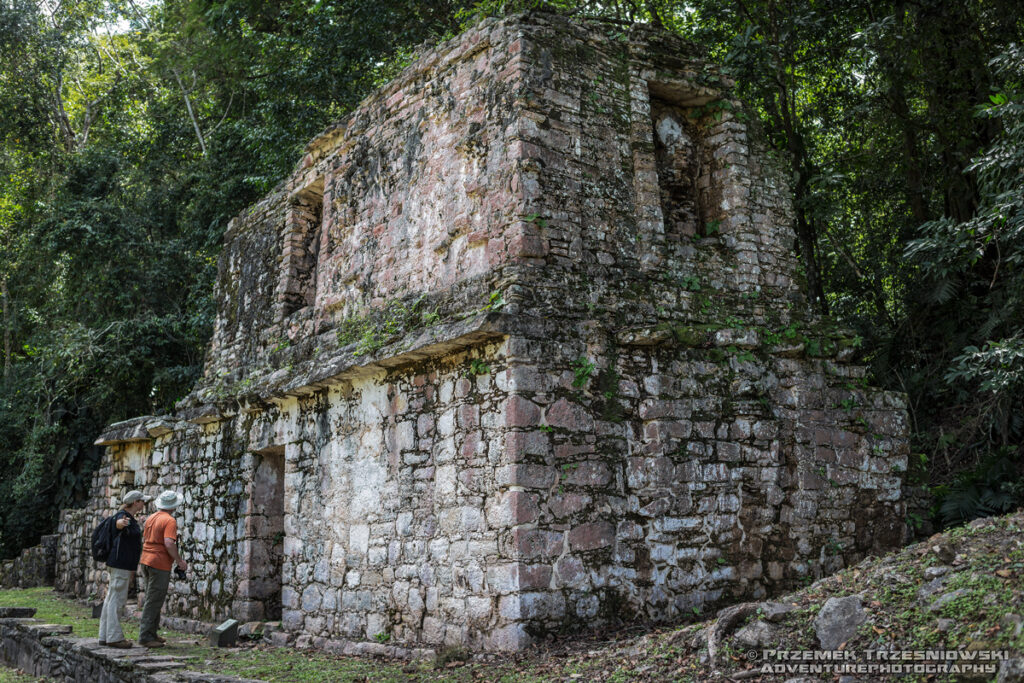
(945, 290)
(994, 487)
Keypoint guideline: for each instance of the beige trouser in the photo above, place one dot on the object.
(117, 596)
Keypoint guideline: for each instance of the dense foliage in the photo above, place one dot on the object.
(129, 134)
(131, 131)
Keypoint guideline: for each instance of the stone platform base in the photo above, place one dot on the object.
(49, 650)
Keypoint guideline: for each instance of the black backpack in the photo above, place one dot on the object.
(103, 539)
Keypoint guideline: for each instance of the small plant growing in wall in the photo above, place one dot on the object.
(769, 337)
(382, 637)
(582, 370)
(690, 283)
(478, 367)
(536, 219)
(494, 301)
(564, 476)
(733, 322)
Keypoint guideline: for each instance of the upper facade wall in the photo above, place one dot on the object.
(421, 184)
(654, 200)
(410, 195)
(532, 150)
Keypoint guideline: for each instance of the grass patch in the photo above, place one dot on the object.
(12, 676)
(285, 664)
(51, 608)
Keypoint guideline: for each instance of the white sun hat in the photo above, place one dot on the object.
(168, 500)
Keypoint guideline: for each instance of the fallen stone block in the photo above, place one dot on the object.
(224, 635)
(280, 638)
(17, 612)
(1011, 671)
(269, 628)
(251, 629)
(838, 621)
(755, 635)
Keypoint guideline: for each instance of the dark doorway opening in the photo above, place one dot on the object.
(265, 528)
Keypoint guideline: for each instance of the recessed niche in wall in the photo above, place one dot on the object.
(683, 166)
(300, 248)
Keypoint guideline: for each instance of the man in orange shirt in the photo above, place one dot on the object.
(159, 555)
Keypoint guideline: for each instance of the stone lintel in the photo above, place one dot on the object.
(420, 345)
(159, 427)
(423, 347)
(201, 414)
(126, 431)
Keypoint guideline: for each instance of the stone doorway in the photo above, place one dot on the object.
(265, 538)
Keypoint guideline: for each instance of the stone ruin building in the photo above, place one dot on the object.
(521, 346)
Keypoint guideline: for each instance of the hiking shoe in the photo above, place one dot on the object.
(152, 644)
(121, 644)
(102, 642)
(160, 639)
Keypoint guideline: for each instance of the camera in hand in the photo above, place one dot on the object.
(180, 573)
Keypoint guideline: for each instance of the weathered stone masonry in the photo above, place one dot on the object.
(520, 346)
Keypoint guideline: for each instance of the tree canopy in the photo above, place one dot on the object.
(131, 131)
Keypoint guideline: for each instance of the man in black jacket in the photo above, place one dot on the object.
(122, 564)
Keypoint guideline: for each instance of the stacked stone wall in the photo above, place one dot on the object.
(557, 367)
(50, 652)
(34, 567)
(590, 171)
(655, 480)
(412, 197)
(395, 522)
(129, 465)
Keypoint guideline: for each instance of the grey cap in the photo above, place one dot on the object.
(133, 496)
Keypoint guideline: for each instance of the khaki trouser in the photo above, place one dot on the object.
(156, 581)
(117, 596)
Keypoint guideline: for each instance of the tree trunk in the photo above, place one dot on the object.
(60, 117)
(806, 230)
(7, 326)
(914, 175)
(191, 113)
(653, 11)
